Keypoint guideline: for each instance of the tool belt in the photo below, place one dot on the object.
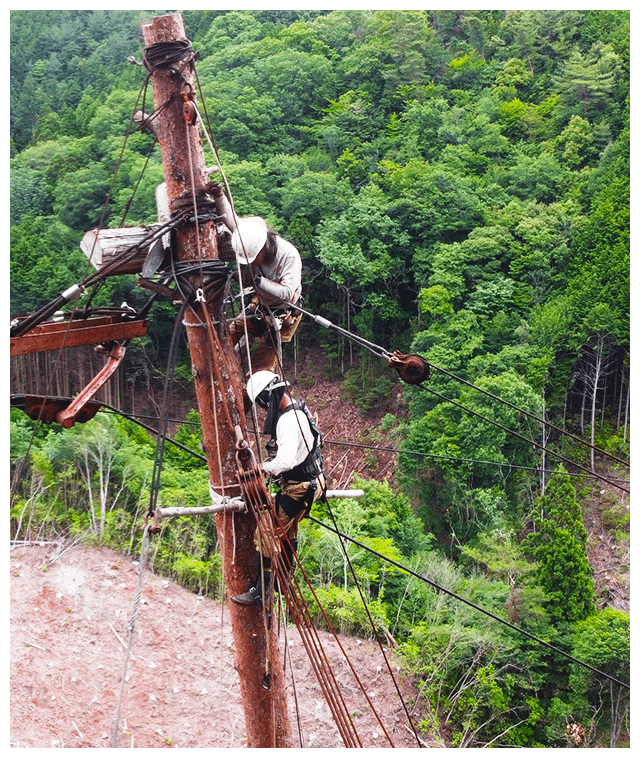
(292, 506)
(256, 310)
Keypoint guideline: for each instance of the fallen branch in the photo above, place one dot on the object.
(33, 644)
(121, 641)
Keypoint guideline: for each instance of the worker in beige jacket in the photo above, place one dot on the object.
(274, 268)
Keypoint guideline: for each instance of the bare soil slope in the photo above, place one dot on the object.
(70, 611)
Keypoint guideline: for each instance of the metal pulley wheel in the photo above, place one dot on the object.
(412, 368)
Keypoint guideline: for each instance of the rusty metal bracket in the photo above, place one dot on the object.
(92, 331)
(67, 417)
(45, 409)
(155, 529)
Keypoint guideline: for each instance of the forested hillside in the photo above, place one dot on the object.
(458, 185)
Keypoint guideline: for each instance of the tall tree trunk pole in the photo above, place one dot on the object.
(217, 375)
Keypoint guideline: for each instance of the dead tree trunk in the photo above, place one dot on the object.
(595, 373)
(217, 375)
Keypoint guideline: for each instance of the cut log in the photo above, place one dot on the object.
(113, 248)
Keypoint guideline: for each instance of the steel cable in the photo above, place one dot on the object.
(473, 605)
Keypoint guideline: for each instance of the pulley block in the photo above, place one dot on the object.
(412, 368)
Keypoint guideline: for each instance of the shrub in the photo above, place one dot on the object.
(346, 613)
(196, 575)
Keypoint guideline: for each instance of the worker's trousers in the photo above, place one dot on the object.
(265, 355)
(278, 531)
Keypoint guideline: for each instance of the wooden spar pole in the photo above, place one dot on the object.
(217, 375)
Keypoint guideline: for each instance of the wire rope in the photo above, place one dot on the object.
(144, 552)
(282, 619)
(458, 459)
(531, 415)
(525, 439)
(315, 651)
(161, 439)
(382, 352)
(373, 626)
(344, 443)
(473, 605)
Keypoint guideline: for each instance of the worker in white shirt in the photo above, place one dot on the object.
(297, 467)
(274, 269)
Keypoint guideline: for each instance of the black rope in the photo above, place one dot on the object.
(471, 604)
(137, 186)
(166, 54)
(151, 430)
(525, 439)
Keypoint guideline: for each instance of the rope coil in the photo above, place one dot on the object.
(166, 54)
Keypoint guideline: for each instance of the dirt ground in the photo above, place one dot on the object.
(70, 611)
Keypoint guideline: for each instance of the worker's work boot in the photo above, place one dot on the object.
(254, 594)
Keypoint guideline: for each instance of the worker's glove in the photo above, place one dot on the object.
(215, 189)
(272, 449)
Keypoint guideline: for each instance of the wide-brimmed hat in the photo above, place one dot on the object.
(248, 239)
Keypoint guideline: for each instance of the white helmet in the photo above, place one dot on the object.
(248, 239)
(258, 382)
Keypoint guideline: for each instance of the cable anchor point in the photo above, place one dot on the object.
(155, 528)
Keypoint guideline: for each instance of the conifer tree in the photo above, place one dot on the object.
(559, 546)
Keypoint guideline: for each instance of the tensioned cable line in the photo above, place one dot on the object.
(471, 604)
(525, 439)
(531, 415)
(458, 460)
(328, 441)
(442, 589)
(153, 497)
(383, 353)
